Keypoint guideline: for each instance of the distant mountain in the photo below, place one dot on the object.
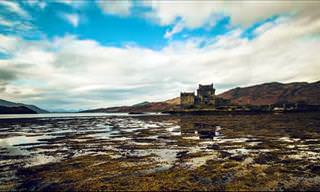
(8, 107)
(273, 93)
(140, 107)
(16, 110)
(263, 94)
(7, 103)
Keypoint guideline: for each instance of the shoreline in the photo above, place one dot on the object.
(234, 112)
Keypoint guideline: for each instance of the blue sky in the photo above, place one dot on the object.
(85, 54)
(90, 22)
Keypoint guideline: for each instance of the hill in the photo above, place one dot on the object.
(8, 107)
(137, 108)
(273, 93)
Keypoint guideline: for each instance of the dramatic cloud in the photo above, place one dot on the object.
(75, 72)
(195, 14)
(15, 19)
(68, 72)
(114, 7)
(14, 7)
(7, 75)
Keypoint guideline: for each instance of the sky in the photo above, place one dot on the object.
(73, 55)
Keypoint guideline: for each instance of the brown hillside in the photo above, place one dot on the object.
(272, 93)
(174, 101)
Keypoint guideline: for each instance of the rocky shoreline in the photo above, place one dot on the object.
(162, 152)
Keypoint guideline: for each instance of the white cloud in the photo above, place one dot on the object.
(176, 29)
(16, 20)
(195, 14)
(37, 3)
(73, 19)
(75, 4)
(8, 43)
(42, 4)
(115, 7)
(5, 22)
(14, 7)
(68, 72)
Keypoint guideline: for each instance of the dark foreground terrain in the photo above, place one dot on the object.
(241, 152)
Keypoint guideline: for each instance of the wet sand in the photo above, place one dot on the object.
(226, 152)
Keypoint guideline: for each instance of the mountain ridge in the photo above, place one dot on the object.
(275, 92)
(8, 107)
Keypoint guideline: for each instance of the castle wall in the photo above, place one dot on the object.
(187, 99)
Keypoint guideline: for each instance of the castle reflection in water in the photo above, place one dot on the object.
(199, 130)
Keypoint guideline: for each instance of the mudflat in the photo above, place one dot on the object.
(161, 152)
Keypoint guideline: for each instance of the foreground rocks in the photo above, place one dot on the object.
(143, 153)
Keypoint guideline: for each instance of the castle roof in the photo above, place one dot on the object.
(206, 87)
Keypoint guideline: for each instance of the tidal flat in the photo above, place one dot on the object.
(161, 152)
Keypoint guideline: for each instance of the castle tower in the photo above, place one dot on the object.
(206, 95)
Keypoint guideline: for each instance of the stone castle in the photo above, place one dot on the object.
(205, 98)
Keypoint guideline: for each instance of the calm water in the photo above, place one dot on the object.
(181, 141)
